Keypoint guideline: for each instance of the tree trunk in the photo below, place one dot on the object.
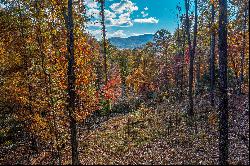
(182, 59)
(104, 46)
(198, 76)
(123, 69)
(191, 55)
(104, 39)
(212, 58)
(178, 59)
(195, 37)
(243, 52)
(71, 85)
(223, 106)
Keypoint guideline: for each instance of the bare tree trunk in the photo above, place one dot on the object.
(123, 69)
(243, 51)
(104, 39)
(104, 46)
(182, 58)
(178, 58)
(191, 55)
(198, 76)
(71, 85)
(212, 58)
(195, 36)
(190, 83)
(223, 106)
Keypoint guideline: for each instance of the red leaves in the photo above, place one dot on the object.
(112, 89)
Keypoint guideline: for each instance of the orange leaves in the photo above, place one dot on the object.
(215, 3)
(63, 49)
(136, 79)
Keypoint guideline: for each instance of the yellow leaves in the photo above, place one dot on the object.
(38, 119)
(37, 91)
(54, 31)
(2, 49)
(82, 81)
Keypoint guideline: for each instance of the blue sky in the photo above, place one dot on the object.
(133, 17)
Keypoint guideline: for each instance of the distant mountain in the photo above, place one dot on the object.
(132, 41)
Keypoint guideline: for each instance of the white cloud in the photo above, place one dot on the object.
(118, 14)
(91, 4)
(93, 13)
(125, 19)
(119, 33)
(109, 14)
(98, 34)
(139, 34)
(124, 6)
(121, 22)
(150, 20)
(144, 14)
(95, 32)
(93, 24)
(124, 9)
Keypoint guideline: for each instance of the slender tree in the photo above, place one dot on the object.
(183, 53)
(223, 106)
(102, 13)
(198, 75)
(191, 54)
(71, 84)
(212, 56)
(123, 63)
(243, 50)
(178, 55)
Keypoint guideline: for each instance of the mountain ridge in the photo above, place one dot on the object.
(131, 42)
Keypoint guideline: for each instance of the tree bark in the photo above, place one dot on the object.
(178, 58)
(223, 106)
(104, 39)
(243, 51)
(195, 38)
(198, 76)
(182, 58)
(71, 85)
(191, 55)
(123, 69)
(212, 57)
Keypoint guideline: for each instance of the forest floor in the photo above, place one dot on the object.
(162, 134)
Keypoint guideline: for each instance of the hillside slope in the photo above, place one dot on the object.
(132, 41)
(161, 134)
